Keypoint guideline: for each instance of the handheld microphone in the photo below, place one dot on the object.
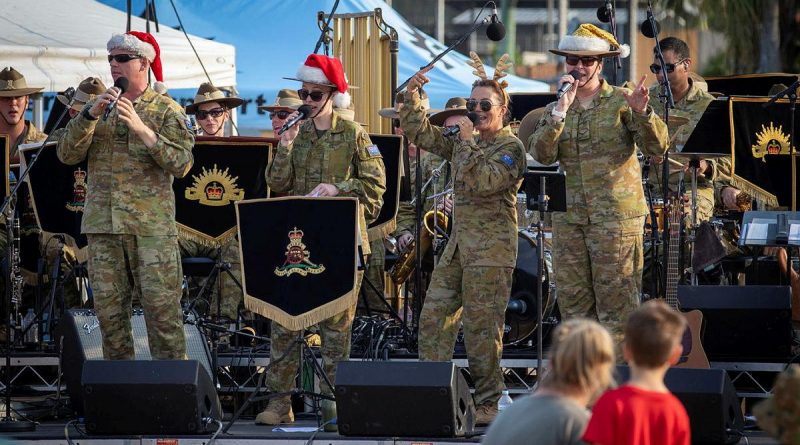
(122, 84)
(648, 29)
(69, 93)
(605, 12)
(455, 129)
(496, 31)
(303, 112)
(566, 86)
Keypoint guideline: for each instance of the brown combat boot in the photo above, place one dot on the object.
(484, 414)
(278, 410)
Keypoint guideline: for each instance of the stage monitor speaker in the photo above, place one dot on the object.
(743, 323)
(710, 401)
(79, 340)
(148, 397)
(423, 399)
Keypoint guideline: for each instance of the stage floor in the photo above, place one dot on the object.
(244, 432)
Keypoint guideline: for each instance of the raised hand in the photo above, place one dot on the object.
(639, 97)
(418, 80)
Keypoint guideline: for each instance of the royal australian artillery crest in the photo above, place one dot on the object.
(78, 191)
(214, 188)
(297, 258)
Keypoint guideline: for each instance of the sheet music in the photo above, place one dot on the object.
(756, 231)
(794, 234)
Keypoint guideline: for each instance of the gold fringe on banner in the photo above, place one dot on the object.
(190, 234)
(759, 194)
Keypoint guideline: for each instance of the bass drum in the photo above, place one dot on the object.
(522, 311)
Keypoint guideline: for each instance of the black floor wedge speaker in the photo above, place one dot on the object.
(710, 400)
(148, 397)
(79, 339)
(403, 399)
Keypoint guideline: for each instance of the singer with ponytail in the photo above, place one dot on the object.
(593, 131)
(473, 277)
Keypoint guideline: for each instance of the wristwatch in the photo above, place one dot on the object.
(88, 116)
(561, 115)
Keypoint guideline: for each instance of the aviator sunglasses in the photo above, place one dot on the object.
(587, 61)
(123, 58)
(283, 114)
(656, 68)
(485, 104)
(316, 96)
(214, 112)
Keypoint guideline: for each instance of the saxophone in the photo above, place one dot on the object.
(402, 269)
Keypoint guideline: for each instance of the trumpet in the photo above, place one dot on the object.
(405, 263)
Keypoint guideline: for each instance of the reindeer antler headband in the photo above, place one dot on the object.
(500, 68)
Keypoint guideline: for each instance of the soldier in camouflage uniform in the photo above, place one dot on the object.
(473, 277)
(780, 414)
(324, 156)
(211, 108)
(598, 240)
(129, 217)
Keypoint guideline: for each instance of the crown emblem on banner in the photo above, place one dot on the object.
(214, 188)
(297, 258)
(78, 191)
(771, 141)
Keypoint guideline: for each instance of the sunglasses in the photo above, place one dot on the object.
(485, 104)
(123, 58)
(316, 96)
(283, 114)
(587, 61)
(656, 68)
(214, 112)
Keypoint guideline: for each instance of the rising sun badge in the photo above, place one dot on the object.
(297, 258)
(770, 141)
(78, 191)
(214, 188)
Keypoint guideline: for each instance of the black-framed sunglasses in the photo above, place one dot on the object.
(316, 96)
(282, 114)
(485, 104)
(656, 68)
(214, 112)
(123, 58)
(586, 60)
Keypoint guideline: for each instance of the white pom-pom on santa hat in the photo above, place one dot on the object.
(327, 71)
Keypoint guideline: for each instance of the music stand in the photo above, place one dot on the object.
(536, 187)
(770, 229)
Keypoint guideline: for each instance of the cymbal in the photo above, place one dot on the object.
(689, 155)
(677, 121)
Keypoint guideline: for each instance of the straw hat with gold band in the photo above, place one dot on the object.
(455, 106)
(394, 113)
(209, 93)
(287, 100)
(12, 84)
(87, 90)
(589, 40)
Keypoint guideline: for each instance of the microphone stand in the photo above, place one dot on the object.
(460, 40)
(8, 423)
(666, 98)
(613, 23)
(656, 266)
(323, 37)
(791, 92)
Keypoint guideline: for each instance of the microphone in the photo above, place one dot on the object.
(122, 84)
(69, 93)
(517, 306)
(648, 30)
(496, 31)
(303, 112)
(605, 12)
(455, 129)
(566, 86)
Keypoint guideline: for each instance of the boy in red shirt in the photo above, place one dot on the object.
(643, 411)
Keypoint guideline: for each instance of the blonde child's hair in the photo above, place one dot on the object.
(581, 358)
(652, 332)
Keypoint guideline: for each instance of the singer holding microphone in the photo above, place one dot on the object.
(593, 131)
(325, 155)
(129, 216)
(473, 277)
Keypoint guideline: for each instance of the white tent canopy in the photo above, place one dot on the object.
(55, 44)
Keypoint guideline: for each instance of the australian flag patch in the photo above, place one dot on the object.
(507, 160)
(373, 150)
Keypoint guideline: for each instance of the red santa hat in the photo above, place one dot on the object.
(144, 44)
(327, 71)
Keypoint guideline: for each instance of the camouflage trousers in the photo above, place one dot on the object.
(480, 294)
(376, 275)
(335, 333)
(124, 266)
(599, 271)
(232, 295)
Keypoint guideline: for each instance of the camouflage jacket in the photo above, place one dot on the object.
(596, 147)
(690, 107)
(130, 185)
(344, 156)
(486, 175)
(29, 136)
(430, 162)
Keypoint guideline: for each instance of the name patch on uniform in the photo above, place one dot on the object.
(508, 160)
(373, 150)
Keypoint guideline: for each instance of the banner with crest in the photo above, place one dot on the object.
(225, 171)
(760, 139)
(390, 147)
(299, 257)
